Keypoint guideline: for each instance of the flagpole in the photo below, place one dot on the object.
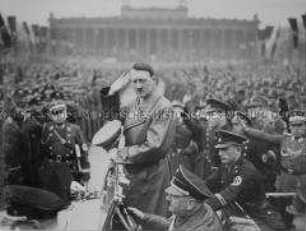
(305, 51)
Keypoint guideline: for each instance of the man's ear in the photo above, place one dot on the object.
(239, 148)
(155, 79)
(190, 203)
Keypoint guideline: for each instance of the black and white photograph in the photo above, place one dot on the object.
(160, 115)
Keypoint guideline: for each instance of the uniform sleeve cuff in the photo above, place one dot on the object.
(124, 153)
(215, 203)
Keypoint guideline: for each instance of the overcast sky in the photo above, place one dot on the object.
(269, 11)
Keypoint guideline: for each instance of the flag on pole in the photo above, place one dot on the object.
(295, 31)
(13, 27)
(275, 44)
(5, 35)
(35, 31)
(304, 20)
(263, 36)
(26, 28)
(12, 23)
(43, 34)
(1, 21)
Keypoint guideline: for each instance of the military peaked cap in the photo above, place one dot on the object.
(218, 104)
(34, 199)
(185, 183)
(226, 138)
(257, 101)
(297, 117)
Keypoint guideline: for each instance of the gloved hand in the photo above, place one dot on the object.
(269, 155)
(136, 213)
(117, 155)
(76, 187)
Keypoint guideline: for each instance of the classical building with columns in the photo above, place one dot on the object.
(167, 34)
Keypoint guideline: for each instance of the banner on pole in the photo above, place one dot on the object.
(295, 31)
(304, 20)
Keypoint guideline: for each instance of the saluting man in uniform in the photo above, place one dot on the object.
(64, 142)
(293, 156)
(149, 131)
(262, 153)
(217, 115)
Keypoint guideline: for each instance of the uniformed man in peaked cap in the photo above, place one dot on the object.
(237, 180)
(186, 195)
(184, 149)
(64, 143)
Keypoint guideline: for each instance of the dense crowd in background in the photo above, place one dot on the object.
(32, 88)
(235, 83)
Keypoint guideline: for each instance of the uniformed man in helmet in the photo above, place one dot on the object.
(64, 142)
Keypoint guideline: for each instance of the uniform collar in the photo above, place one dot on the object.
(300, 139)
(227, 127)
(186, 216)
(235, 165)
(239, 161)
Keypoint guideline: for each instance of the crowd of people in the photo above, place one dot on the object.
(239, 128)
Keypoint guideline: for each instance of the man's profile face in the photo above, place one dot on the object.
(177, 204)
(143, 83)
(215, 118)
(228, 154)
(298, 129)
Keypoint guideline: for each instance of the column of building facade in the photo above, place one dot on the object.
(100, 40)
(83, 39)
(211, 42)
(169, 38)
(215, 40)
(180, 39)
(227, 43)
(207, 42)
(158, 41)
(104, 40)
(74, 36)
(233, 43)
(116, 41)
(200, 42)
(244, 38)
(137, 41)
(223, 46)
(148, 42)
(141, 38)
(218, 42)
(119, 39)
(94, 44)
(255, 48)
(190, 39)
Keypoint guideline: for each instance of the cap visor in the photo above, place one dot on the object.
(222, 146)
(173, 191)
